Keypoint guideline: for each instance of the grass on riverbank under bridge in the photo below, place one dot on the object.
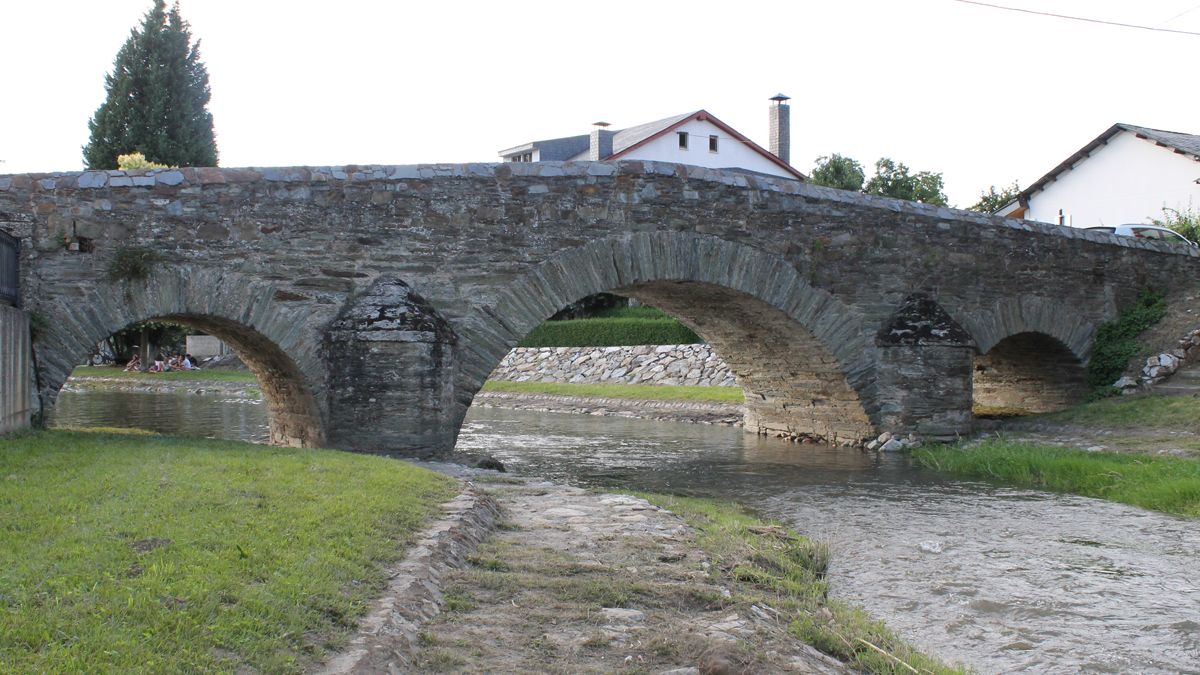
(643, 392)
(143, 553)
(200, 375)
(1159, 483)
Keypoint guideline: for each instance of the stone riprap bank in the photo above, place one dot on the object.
(691, 365)
(373, 302)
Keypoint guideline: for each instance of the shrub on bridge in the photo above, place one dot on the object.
(1116, 341)
(615, 332)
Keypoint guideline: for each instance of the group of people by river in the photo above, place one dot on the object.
(164, 365)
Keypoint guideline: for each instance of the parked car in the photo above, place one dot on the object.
(1144, 232)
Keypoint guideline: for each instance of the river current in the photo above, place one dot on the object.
(999, 579)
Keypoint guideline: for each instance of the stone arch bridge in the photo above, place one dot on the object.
(372, 302)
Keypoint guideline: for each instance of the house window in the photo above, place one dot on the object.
(712, 143)
(682, 139)
(523, 157)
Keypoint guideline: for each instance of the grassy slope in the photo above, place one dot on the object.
(765, 564)
(1168, 484)
(123, 553)
(188, 375)
(1123, 412)
(630, 391)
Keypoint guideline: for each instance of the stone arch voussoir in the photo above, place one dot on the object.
(272, 337)
(1031, 314)
(636, 260)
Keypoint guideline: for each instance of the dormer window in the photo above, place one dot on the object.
(683, 139)
(712, 143)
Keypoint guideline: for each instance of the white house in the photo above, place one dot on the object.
(1128, 174)
(696, 138)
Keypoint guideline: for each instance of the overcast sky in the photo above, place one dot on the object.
(982, 95)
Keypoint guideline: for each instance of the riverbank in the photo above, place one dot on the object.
(669, 410)
(133, 552)
(231, 383)
(274, 559)
(1140, 450)
(577, 581)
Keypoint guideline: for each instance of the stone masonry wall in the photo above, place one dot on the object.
(791, 283)
(16, 371)
(691, 365)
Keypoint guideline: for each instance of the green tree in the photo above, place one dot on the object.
(157, 98)
(993, 199)
(839, 172)
(892, 179)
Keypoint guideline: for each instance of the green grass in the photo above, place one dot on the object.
(188, 375)
(644, 392)
(1167, 484)
(1172, 412)
(610, 332)
(138, 553)
(764, 563)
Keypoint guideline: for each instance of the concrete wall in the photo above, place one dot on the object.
(16, 371)
(204, 346)
(1128, 180)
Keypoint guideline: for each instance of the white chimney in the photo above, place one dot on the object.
(601, 144)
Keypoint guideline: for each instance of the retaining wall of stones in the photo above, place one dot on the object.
(16, 371)
(692, 365)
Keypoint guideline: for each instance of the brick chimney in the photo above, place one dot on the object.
(781, 128)
(601, 144)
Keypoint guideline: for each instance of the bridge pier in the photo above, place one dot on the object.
(923, 374)
(391, 373)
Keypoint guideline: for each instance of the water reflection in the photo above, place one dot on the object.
(234, 418)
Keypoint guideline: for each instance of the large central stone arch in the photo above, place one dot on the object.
(264, 331)
(801, 354)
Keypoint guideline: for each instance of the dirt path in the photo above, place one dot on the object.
(571, 581)
(576, 582)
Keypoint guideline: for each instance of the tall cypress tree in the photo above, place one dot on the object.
(157, 98)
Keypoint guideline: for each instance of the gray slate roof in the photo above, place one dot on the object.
(576, 147)
(1188, 143)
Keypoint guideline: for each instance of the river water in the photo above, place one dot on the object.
(999, 579)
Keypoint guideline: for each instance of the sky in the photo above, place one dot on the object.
(982, 95)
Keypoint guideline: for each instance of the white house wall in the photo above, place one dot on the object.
(731, 153)
(1129, 180)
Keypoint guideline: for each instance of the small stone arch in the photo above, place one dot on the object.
(267, 334)
(1031, 356)
(1031, 314)
(801, 355)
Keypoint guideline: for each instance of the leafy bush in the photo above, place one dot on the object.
(609, 333)
(1185, 222)
(1116, 341)
(136, 161)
